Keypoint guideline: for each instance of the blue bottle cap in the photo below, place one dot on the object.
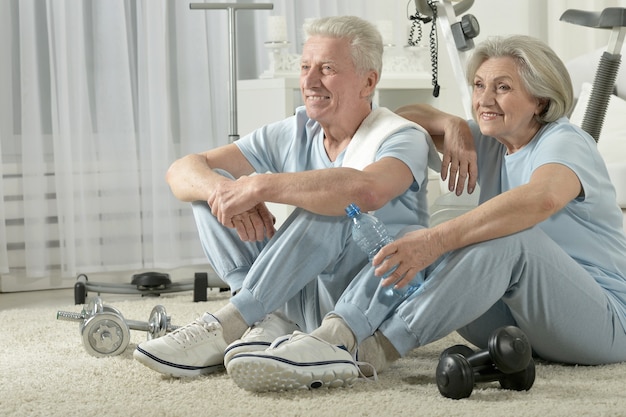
(353, 210)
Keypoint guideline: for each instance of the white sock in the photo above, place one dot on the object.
(377, 351)
(335, 331)
(232, 322)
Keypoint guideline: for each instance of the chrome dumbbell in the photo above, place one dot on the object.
(105, 332)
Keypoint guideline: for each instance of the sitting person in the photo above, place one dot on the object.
(334, 151)
(544, 250)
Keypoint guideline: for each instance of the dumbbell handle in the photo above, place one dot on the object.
(483, 367)
(512, 362)
(71, 316)
(145, 326)
(487, 374)
(132, 324)
(480, 359)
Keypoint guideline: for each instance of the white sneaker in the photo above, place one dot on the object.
(300, 361)
(192, 350)
(261, 335)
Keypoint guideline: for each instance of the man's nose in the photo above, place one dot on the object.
(310, 79)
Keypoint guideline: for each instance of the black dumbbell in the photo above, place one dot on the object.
(508, 360)
(462, 350)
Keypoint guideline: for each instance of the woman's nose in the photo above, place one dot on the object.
(485, 96)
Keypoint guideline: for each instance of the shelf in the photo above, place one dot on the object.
(393, 81)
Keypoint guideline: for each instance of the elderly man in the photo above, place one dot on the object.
(335, 150)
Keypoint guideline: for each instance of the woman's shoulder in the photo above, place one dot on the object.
(564, 125)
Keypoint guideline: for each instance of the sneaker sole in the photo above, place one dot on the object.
(173, 369)
(262, 374)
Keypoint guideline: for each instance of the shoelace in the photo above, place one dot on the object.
(365, 364)
(359, 364)
(192, 332)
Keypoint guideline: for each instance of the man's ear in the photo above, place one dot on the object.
(370, 85)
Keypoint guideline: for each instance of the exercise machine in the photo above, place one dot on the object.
(458, 37)
(232, 8)
(150, 284)
(613, 19)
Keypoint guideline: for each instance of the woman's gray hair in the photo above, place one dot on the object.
(543, 73)
(366, 43)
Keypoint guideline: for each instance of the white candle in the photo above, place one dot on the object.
(276, 29)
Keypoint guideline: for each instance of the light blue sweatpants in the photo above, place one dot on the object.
(524, 279)
(303, 270)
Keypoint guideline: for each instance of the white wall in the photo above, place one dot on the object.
(570, 40)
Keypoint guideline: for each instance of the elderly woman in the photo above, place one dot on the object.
(544, 250)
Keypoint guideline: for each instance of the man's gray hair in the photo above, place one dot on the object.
(366, 43)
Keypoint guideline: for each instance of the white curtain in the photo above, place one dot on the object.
(98, 98)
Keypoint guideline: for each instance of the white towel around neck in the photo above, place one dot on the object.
(379, 125)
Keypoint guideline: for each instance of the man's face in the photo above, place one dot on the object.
(329, 82)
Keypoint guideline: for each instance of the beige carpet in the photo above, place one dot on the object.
(45, 371)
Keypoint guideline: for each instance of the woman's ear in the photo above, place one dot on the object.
(542, 106)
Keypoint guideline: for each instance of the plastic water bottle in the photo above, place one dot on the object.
(371, 235)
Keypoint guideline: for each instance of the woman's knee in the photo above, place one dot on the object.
(480, 330)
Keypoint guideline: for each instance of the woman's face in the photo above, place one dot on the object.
(502, 107)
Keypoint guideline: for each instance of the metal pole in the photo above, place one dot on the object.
(232, 78)
(232, 51)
